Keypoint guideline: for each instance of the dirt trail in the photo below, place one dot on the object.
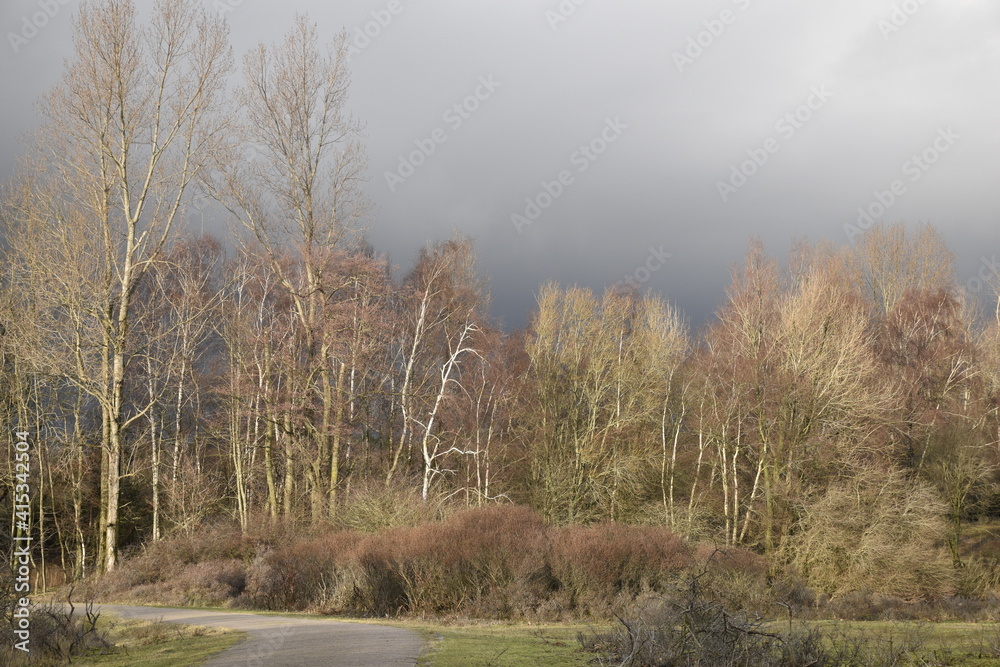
(278, 641)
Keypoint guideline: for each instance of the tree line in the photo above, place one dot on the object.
(279, 372)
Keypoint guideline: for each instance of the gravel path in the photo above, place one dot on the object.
(276, 641)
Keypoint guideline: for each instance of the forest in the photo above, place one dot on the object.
(835, 424)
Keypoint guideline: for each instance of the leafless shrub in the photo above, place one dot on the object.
(212, 583)
(376, 508)
(497, 562)
(483, 558)
(183, 570)
(302, 574)
(58, 632)
(694, 626)
(878, 532)
(598, 564)
(979, 577)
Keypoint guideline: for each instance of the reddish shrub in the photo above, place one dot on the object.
(738, 576)
(302, 574)
(595, 565)
(213, 583)
(482, 559)
(495, 562)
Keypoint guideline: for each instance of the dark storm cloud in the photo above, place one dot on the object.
(701, 87)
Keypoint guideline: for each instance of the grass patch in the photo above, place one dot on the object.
(661, 637)
(499, 645)
(158, 644)
(944, 643)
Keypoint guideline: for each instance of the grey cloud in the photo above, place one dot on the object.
(658, 185)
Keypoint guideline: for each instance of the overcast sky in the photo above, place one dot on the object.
(675, 128)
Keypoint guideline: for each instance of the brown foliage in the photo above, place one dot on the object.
(480, 560)
(495, 562)
(596, 565)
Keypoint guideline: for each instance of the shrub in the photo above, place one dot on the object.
(376, 509)
(491, 561)
(303, 574)
(496, 562)
(690, 626)
(212, 583)
(876, 532)
(694, 626)
(979, 576)
(737, 576)
(597, 565)
(57, 633)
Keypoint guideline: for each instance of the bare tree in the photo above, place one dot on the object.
(180, 297)
(442, 310)
(253, 337)
(791, 365)
(489, 385)
(662, 343)
(889, 261)
(125, 135)
(602, 373)
(300, 198)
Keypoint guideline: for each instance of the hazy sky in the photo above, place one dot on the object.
(656, 135)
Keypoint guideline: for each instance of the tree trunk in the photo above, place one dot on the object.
(337, 429)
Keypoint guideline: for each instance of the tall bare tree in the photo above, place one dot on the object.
(442, 309)
(125, 134)
(300, 197)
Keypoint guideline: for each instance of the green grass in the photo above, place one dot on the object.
(491, 644)
(500, 645)
(946, 643)
(158, 644)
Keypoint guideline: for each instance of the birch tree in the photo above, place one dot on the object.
(299, 196)
(125, 135)
(442, 313)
